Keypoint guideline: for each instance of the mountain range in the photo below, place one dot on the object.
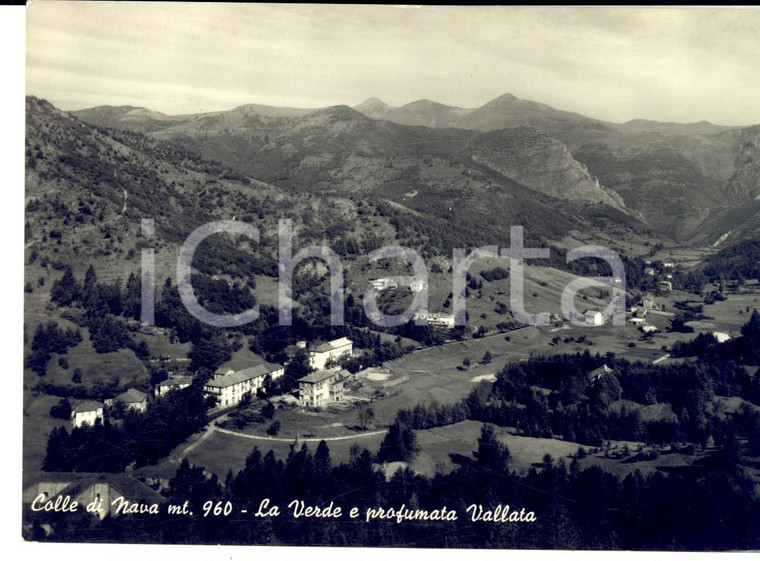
(692, 183)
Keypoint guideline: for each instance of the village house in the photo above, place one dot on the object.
(229, 387)
(648, 302)
(648, 328)
(86, 413)
(131, 399)
(666, 286)
(321, 388)
(382, 284)
(445, 321)
(320, 355)
(178, 383)
(594, 318)
(597, 373)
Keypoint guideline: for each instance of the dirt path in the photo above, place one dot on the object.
(291, 439)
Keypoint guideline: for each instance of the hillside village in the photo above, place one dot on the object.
(673, 388)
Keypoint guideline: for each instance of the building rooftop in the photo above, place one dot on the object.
(316, 377)
(84, 406)
(602, 370)
(231, 378)
(325, 347)
(176, 381)
(131, 396)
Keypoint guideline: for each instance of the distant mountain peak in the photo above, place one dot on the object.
(374, 108)
(372, 102)
(505, 97)
(426, 103)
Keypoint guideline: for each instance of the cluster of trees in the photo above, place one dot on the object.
(50, 339)
(140, 438)
(553, 396)
(744, 349)
(582, 411)
(428, 415)
(400, 442)
(103, 305)
(737, 262)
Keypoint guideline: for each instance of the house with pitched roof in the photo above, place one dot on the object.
(229, 387)
(598, 373)
(320, 355)
(177, 383)
(321, 388)
(86, 413)
(131, 399)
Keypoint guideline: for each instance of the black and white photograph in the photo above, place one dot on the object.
(390, 277)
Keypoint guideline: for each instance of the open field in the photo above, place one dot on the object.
(438, 444)
(222, 452)
(728, 315)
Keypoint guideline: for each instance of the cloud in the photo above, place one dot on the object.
(610, 63)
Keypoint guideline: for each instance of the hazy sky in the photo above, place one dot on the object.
(616, 64)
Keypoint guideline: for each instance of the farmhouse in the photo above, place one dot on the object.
(648, 328)
(321, 388)
(594, 318)
(229, 387)
(132, 399)
(636, 321)
(178, 383)
(320, 355)
(86, 413)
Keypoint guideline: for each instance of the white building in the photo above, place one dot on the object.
(382, 284)
(594, 318)
(320, 355)
(445, 321)
(86, 413)
(178, 383)
(321, 388)
(230, 387)
(721, 337)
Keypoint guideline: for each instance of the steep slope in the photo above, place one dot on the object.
(689, 184)
(529, 156)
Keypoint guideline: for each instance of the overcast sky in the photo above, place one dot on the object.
(615, 64)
